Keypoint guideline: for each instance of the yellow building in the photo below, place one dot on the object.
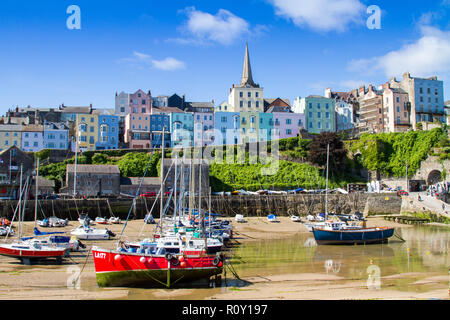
(10, 135)
(86, 131)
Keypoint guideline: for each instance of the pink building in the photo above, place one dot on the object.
(286, 123)
(137, 122)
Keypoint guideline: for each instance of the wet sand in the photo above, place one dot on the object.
(49, 282)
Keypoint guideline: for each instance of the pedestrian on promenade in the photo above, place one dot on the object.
(443, 207)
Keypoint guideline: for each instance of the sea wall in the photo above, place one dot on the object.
(228, 206)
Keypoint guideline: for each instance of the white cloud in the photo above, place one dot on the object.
(168, 64)
(144, 61)
(223, 28)
(321, 15)
(352, 84)
(430, 55)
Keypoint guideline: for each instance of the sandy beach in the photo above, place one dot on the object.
(39, 282)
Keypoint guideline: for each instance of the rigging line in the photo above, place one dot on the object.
(136, 195)
(15, 211)
(154, 202)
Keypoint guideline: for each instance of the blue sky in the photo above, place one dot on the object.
(297, 48)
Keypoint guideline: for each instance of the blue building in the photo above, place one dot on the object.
(108, 133)
(56, 136)
(157, 123)
(227, 128)
(182, 129)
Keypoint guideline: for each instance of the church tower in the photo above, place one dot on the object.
(247, 96)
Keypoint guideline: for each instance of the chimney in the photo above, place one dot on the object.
(362, 90)
(328, 93)
(370, 88)
(406, 75)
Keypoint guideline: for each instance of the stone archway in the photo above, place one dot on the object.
(434, 177)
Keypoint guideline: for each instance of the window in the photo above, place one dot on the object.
(428, 90)
(318, 106)
(26, 144)
(328, 125)
(249, 104)
(310, 125)
(288, 131)
(143, 110)
(319, 125)
(223, 119)
(92, 120)
(241, 94)
(288, 121)
(91, 139)
(327, 106)
(257, 104)
(92, 129)
(26, 135)
(327, 115)
(310, 105)
(122, 109)
(249, 94)
(252, 119)
(398, 99)
(319, 115)
(35, 144)
(257, 94)
(421, 90)
(398, 109)
(83, 138)
(310, 115)
(144, 102)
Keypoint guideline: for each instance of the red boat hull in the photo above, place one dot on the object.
(121, 269)
(23, 253)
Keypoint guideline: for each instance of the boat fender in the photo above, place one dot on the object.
(181, 259)
(216, 261)
(143, 260)
(183, 264)
(168, 256)
(118, 257)
(174, 261)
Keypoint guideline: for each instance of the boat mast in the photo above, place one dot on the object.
(326, 191)
(75, 173)
(36, 195)
(162, 175)
(175, 187)
(20, 200)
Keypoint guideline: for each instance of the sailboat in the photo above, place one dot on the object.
(154, 265)
(24, 249)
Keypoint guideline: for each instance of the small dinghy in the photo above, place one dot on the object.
(272, 218)
(240, 218)
(114, 220)
(101, 220)
(55, 222)
(85, 220)
(89, 233)
(296, 219)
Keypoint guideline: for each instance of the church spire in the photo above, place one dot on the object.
(247, 78)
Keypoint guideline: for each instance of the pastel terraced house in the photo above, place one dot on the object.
(108, 138)
(320, 114)
(137, 122)
(10, 135)
(227, 128)
(87, 131)
(32, 138)
(56, 136)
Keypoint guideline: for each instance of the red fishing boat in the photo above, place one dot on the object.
(115, 268)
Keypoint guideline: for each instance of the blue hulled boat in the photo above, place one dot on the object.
(334, 233)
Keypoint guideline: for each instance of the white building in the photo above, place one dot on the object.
(32, 138)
